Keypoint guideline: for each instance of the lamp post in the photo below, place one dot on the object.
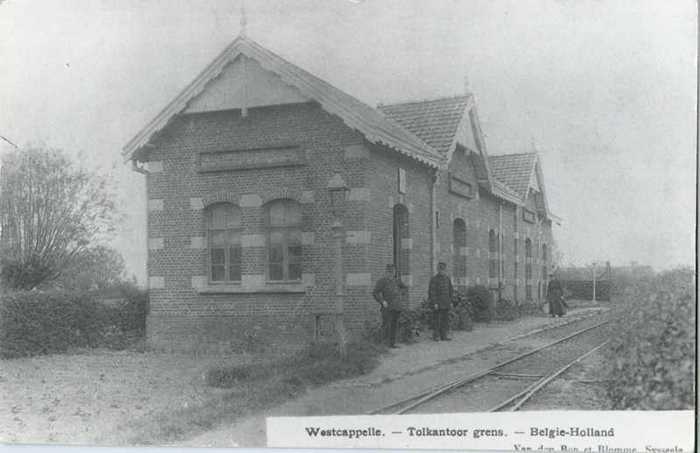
(593, 270)
(338, 191)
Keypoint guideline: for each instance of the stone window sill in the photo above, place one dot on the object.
(279, 288)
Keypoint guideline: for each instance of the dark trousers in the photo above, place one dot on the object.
(440, 323)
(390, 322)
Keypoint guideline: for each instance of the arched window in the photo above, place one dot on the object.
(493, 252)
(528, 269)
(459, 241)
(400, 237)
(493, 241)
(544, 253)
(284, 240)
(528, 248)
(224, 242)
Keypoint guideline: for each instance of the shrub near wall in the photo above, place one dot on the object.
(33, 322)
(47, 322)
(652, 355)
(481, 301)
(506, 310)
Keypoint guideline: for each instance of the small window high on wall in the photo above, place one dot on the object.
(224, 242)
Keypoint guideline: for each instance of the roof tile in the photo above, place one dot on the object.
(514, 170)
(434, 121)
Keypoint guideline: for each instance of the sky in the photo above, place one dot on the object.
(605, 91)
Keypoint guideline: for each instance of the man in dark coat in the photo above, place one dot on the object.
(440, 297)
(555, 297)
(387, 292)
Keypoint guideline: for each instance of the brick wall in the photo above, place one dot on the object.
(187, 314)
(469, 209)
(182, 311)
(383, 181)
(480, 214)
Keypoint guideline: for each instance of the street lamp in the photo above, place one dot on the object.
(338, 191)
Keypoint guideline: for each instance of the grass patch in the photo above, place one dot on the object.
(257, 387)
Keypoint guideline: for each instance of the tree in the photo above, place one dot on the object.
(51, 211)
(95, 268)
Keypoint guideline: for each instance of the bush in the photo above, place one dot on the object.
(46, 322)
(462, 314)
(652, 356)
(481, 301)
(411, 324)
(506, 310)
(33, 322)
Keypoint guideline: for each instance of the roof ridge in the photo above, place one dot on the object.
(422, 101)
(532, 153)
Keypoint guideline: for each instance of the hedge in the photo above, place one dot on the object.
(47, 322)
(652, 356)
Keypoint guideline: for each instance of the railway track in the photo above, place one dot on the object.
(521, 377)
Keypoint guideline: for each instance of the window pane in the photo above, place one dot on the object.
(276, 210)
(224, 215)
(294, 271)
(276, 254)
(276, 272)
(294, 237)
(284, 213)
(218, 273)
(234, 237)
(276, 237)
(234, 264)
(219, 214)
(294, 252)
(218, 238)
(233, 217)
(292, 214)
(218, 257)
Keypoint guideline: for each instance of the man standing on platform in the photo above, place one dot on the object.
(440, 297)
(387, 292)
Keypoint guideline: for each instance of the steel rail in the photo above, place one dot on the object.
(430, 394)
(534, 332)
(530, 390)
(553, 376)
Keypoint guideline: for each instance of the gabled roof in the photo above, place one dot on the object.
(441, 123)
(435, 121)
(514, 170)
(373, 125)
(501, 190)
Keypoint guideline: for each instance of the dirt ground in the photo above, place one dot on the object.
(93, 396)
(89, 397)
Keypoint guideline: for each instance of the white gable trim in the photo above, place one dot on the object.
(244, 84)
(357, 115)
(466, 122)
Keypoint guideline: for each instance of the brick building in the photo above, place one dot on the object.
(270, 192)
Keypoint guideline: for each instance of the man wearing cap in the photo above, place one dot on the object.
(440, 294)
(387, 292)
